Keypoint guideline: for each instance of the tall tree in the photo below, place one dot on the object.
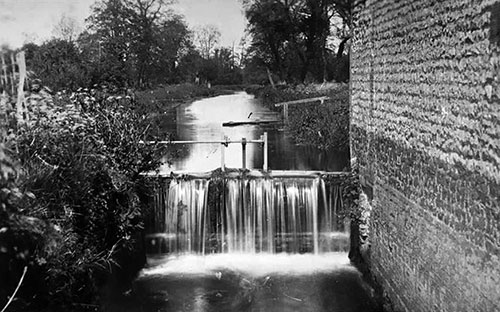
(112, 37)
(147, 17)
(172, 43)
(290, 36)
(273, 29)
(206, 38)
(67, 28)
(139, 41)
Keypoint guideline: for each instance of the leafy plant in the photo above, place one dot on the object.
(72, 199)
(324, 125)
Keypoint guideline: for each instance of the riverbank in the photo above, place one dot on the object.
(169, 96)
(71, 217)
(324, 125)
(156, 104)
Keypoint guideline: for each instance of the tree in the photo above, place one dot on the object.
(147, 17)
(271, 28)
(58, 63)
(67, 28)
(140, 42)
(290, 36)
(172, 43)
(206, 38)
(227, 70)
(111, 36)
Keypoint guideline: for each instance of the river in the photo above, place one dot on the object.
(203, 121)
(244, 281)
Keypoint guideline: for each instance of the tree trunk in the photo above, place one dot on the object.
(269, 76)
(340, 51)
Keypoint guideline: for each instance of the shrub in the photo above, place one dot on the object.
(325, 125)
(77, 194)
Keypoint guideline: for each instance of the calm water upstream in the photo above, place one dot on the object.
(249, 271)
(202, 121)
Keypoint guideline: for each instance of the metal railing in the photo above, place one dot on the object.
(225, 141)
(285, 105)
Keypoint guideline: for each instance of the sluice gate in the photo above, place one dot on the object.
(248, 211)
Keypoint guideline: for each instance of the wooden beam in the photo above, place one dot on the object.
(249, 122)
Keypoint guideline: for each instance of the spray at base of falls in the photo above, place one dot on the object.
(248, 215)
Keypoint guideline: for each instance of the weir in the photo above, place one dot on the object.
(248, 213)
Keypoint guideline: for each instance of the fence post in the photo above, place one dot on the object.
(3, 108)
(3, 73)
(22, 112)
(13, 74)
(223, 153)
(285, 113)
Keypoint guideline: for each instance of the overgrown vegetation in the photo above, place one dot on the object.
(325, 125)
(70, 202)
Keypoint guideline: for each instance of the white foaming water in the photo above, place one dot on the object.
(256, 265)
(265, 215)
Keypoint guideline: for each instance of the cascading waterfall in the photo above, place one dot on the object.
(181, 216)
(255, 215)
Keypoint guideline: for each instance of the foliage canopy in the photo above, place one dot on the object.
(291, 37)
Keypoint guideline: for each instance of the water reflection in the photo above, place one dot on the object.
(202, 121)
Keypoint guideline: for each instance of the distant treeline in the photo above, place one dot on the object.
(144, 43)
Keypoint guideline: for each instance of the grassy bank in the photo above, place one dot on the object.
(324, 125)
(71, 214)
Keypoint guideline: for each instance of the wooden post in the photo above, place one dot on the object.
(264, 138)
(223, 153)
(3, 72)
(3, 108)
(13, 74)
(243, 153)
(270, 77)
(285, 113)
(22, 112)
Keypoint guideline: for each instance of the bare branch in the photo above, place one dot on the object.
(15, 291)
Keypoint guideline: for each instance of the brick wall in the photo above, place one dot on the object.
(425, 129)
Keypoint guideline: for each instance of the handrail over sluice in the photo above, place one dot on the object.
(225, 142)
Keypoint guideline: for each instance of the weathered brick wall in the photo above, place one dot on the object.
(426, 133)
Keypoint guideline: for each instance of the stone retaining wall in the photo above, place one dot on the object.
(425, 130)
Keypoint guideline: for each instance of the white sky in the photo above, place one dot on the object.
(25, 20)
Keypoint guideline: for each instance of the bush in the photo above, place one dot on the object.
(325, 125)
(76, 196)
